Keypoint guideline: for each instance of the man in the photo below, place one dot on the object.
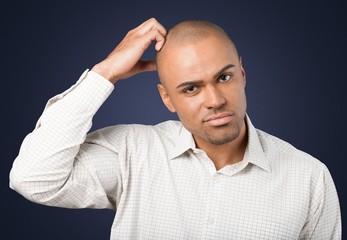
(211, 175)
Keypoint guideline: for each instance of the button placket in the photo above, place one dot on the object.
(213, 193)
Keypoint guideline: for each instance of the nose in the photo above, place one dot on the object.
(214, 99)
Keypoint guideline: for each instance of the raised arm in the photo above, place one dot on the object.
(55, 165)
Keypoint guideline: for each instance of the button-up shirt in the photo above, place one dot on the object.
(162, 186)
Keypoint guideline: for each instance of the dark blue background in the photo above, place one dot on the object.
(293, 53)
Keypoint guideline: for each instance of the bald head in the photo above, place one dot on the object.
(190, 32)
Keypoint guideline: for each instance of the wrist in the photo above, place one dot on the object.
(105, 72)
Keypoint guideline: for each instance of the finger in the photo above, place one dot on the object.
(161, 29)
(149, 25)
(160, 40)
(153, 35)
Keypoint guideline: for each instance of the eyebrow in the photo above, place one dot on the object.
(190, 83)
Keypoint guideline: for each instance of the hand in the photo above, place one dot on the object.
(124, 61)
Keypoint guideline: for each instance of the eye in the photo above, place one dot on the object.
(190, 89)
(224, 77)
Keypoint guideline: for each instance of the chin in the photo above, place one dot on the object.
(222, 141)
(222, 137)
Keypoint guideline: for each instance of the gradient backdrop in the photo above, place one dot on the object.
(293, 52)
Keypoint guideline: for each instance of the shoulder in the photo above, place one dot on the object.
(282, 154)
(135, 133)
(295, 168)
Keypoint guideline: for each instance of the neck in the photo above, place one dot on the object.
(228, 153)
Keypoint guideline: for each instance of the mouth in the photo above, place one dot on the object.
(219, 120)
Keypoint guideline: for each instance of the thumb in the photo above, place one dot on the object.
(146, 66)
(140, 66)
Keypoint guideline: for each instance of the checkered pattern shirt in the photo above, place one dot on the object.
(162, 186)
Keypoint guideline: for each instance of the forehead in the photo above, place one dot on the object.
(197, 60)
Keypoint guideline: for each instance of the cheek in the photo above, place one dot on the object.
(240, 101)
(236, 96)
(242, 97)
(189, 109)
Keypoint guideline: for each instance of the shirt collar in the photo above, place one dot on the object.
(254, 151)
(184, 142)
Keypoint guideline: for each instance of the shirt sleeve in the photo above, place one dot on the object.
(324, 218)
(53, 166)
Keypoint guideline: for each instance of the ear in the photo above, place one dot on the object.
(165, 98)
(243, 72)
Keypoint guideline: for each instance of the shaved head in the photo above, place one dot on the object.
(193, 30)
(190, 32)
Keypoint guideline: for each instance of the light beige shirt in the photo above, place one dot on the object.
(162, 187)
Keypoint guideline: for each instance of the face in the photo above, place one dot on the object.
(205, 83)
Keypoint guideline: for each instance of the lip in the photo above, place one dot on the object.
(219, 120)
